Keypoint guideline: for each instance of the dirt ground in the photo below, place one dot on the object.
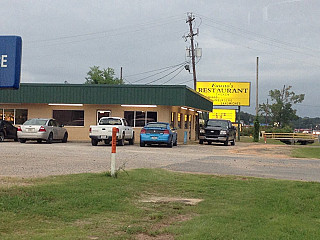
(266, 150)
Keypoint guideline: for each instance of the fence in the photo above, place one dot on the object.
(291, 138)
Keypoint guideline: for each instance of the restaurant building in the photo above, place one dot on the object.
(77, 106)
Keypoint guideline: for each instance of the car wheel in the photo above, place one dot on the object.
(1, 136)
(39, 141)
(209, 142)
(94, 142)
(22, 140)
(106, 142)
(233, 142)
(175, 143)
(226, 142)
(50, 138)
(121, 141)
(200, 141)
(131, 141)
(142, 144)
(170, 144)
(65, 138)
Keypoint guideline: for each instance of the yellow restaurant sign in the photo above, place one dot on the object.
(226, 114)
(226, 93)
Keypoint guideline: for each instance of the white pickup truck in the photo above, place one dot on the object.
(103, 131)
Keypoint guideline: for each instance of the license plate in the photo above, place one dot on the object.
(104, 137)
(154, 138)
(30, 129)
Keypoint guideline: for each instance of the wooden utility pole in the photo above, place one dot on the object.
(257, 88)
(191, 34)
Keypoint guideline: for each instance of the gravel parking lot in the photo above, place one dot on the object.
(269, 161)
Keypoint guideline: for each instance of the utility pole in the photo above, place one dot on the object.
(256, 131)
(191, 35)
(121, 73)
(257, 88)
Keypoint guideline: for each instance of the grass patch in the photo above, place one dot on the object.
(93, 206)
(247, 139)
(307, 152)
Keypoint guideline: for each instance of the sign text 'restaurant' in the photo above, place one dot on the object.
(226, 93)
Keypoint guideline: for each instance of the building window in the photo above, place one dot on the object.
(129, 116)
(186, 122)
(140, 118)
(173, 120)
(180, 120)
(21, 116)
(14, 116)
(69, 117)
(152, 116)
(9, 115)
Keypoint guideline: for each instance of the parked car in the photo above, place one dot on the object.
(158, 133)
(218, 130)
(103, 131)
(42, 129)
(7, 131)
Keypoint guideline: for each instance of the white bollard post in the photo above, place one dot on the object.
(113, 152)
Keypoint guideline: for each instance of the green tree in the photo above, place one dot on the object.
(105, 76)
(280, 110)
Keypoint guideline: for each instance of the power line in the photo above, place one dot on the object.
(155, 70)
(307, 105)
(121, 31)
(165, 75)
(261, 51)
(152, 75)
(244, 31)
(190, 80)
(173, 76)
(266, 43)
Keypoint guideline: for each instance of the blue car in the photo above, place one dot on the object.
(158, 133)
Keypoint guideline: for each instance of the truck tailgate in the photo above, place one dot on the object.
(100, 130)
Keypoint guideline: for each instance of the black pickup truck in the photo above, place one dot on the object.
(7, 131)
(218, 130)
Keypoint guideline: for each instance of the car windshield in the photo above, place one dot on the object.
(35, 122)
(156, 125)
(217, 123)
(109, 121)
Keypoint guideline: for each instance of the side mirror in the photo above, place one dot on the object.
(61, 125)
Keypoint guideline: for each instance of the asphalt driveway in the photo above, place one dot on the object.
(257, 160)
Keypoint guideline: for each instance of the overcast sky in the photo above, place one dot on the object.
(62, 39)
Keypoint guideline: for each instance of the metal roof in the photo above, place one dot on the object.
(170, 95)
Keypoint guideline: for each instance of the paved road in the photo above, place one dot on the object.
(267, 161)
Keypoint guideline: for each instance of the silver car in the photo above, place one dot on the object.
(42, 129)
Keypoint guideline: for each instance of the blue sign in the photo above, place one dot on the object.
(10, 61)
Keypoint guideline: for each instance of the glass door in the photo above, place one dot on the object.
(103, 113)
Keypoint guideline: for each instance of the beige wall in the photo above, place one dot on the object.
(81, 133)
(191, 135)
